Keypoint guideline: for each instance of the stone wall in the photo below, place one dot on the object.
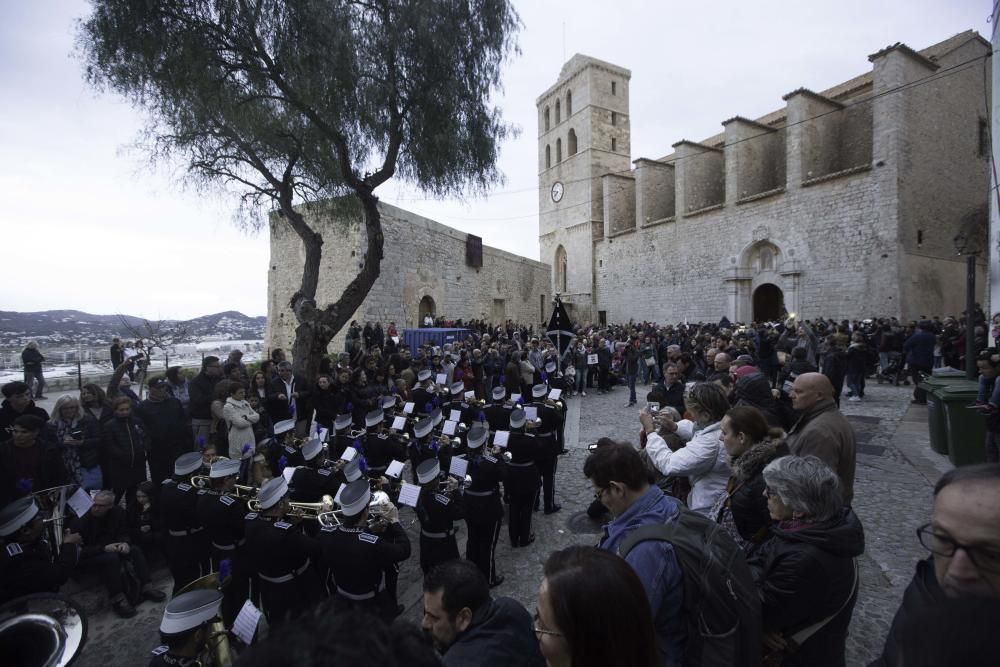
(423, 258)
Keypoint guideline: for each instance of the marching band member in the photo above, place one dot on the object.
(547, 438)
(26, 561)
(186, 542)
(185, 631)
(437, 512)
(522, 480)
(482, 506)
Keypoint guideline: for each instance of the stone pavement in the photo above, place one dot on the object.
(893, 494)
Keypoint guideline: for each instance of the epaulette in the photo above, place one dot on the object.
(487, 457)
(443, 499)
(290, 450)
(160, 650)
(202, 492)
(328, 529)
(185, 487)
(250, 516)
(326, 472)
(383, 436)
(226, 500)
(368, 537)
(283, 525)
(14, 549)
(169, 481)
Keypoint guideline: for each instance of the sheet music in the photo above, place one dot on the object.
(80, 502)
(469, 395)
(408, 408)
(458, 467)
(555, 394)
(349, 454)
(531, 412)
(442, 378)
(399, 423)
(409, 494)
(500, 438)
(515, 398)
(336, 497)
(449, 428)
(324, 433)
(395, 469)
(246, 622)
(455, 416)
(288, 472)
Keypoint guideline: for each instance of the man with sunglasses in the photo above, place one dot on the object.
(963, 538)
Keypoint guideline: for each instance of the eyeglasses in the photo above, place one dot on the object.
(942, 545)
(769, 493)
(543, 631)
(600, 492)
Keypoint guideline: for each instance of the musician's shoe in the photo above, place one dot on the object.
(497, 581)
(123, 608)
(553, 509)
(153, 595)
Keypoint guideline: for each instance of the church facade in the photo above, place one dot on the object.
(844, 203)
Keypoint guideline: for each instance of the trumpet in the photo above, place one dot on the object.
(354, 434)
(378, 508)
(385, 430)
(239, 490)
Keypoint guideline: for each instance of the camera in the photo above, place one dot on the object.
(76, 434)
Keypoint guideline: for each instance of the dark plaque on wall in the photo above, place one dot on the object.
(473, 251)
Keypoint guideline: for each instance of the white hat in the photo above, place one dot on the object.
(187, 463)
(311, 449)
(388, 402)
(342, 422)
(352, 470)
(355, 497)
(436, 416)
(499, 393)
(224, 468)
(374, 418)
(284, 426)
(517, 418)
(424, 375)
(550, 367)
(272, 492)
(189, 610)
(428, 471)
(423, 427)
(16, 515)
(457, 388)
(539, 390)
(477, 436)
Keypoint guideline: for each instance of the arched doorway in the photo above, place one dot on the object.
(426, 308)
(768, 303)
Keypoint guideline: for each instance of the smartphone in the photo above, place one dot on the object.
(653, 408)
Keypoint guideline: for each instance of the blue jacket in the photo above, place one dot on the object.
(920, 348)
(657, 567)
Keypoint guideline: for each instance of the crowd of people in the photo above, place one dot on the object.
(729, 533)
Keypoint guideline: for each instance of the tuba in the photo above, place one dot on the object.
(220, 653)
(42, 630)
(52, 502)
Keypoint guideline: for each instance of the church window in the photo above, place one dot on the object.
(548, 156)
(614, 87)
(920, 237)
(569, 103)
(546, 119)
(571, 143)
(558, 151)
(614, 144)
(614, 118)
(557, 113)
(984, 137)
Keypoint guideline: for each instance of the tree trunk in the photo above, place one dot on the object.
(318, 325)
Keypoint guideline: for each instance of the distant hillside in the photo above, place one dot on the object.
(62, 327)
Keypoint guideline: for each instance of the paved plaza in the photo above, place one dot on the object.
(896, 472)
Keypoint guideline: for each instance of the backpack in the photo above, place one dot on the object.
(721, 605)
(131, 586)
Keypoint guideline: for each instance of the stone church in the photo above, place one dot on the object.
(844, 203)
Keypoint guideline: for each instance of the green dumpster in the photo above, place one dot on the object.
(935, 410)
(965, 425)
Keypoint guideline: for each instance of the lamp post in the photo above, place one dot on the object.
(962, 246)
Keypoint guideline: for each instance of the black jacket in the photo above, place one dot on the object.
(501, 635)
(746, 489)
(48, 471)
(200, 389)
(125, 452)
(922, 592)
(99, 532)
(754, 390)
(32, 360)
(280, 408)
(8, 414)
(804, 575)
(166, 428)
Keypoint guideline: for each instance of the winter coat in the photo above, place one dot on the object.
(922, 592)
(857, 359)
(919, 349)
(744, 501)
(805, 573)
(165, 427)
(825, 433)
(754, 390)
(240, 417)
(8, 414)
(201, 390)
(703, 460)
(32, 360)
(47, 472)
(501, 635)
(656, 564)
(630, 360)
(280, 408)
(125, 452)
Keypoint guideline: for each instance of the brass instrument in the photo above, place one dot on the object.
(385, 430)
(240, 491)
(217, 642)
(378, 507)
(53, 502)
(42, 629)
(355, 434)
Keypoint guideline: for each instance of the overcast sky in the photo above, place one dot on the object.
(89, 225)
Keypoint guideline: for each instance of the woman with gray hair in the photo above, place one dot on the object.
(79, 438)
(805, 572)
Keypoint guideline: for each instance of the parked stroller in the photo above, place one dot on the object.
(895, 372)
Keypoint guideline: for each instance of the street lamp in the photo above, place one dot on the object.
(962, 247)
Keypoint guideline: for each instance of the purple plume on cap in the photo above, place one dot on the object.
(245, 448)
(349, 407)
(25, 484)
(545, 376)
(200, 442)
(282, 463)
(434, 445)
(224, 569)
(356, 444)
(437, 401)
(482, 416)
(503, 379)
(520, 400)
(393, 389)
(291, 408)
(429, 407)
(362, 464)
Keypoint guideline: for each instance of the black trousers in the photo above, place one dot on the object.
(108, 567)
(919, 394)
(187, 558)
(519, 523)
(602, 378)
(547, 468)
(289, 599)
(481, 546)
(436, 550)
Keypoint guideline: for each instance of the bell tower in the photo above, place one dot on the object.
(583, 133)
